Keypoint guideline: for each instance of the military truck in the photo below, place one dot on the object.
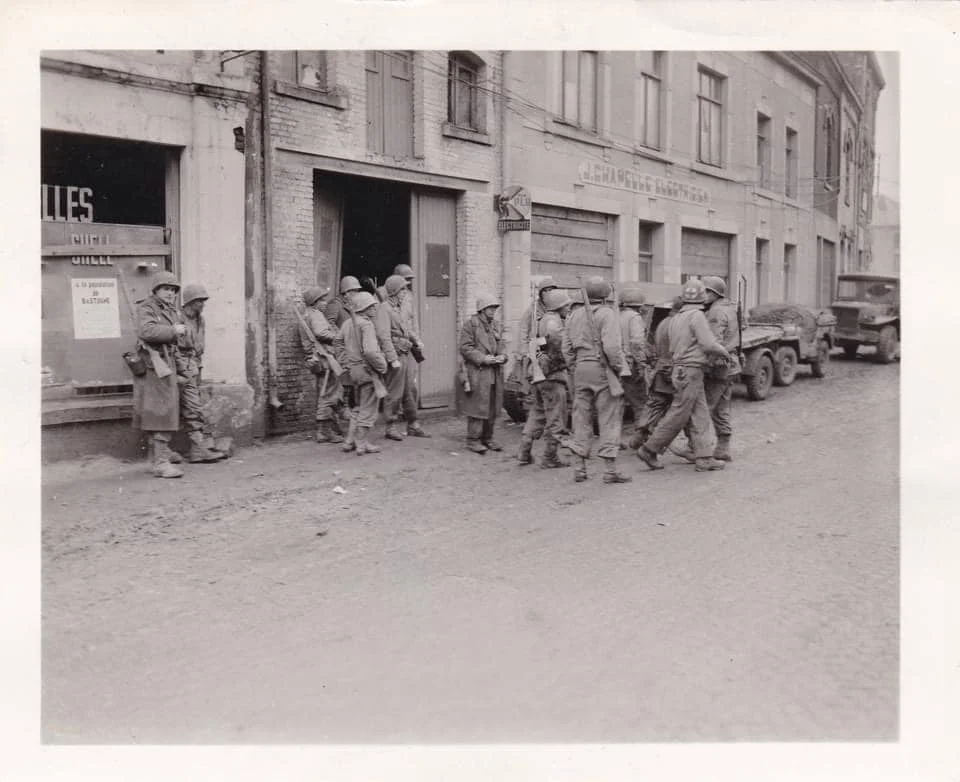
(867, 308)
(807, 338)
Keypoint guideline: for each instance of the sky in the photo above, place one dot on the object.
(888, 126)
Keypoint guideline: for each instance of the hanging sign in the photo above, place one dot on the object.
(514, 208)
(96, 309)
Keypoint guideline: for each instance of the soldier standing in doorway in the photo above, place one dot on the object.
(318, 346)
(366, 365)
(408, 312)
(156, 396)
(592, 346)
(633, 334)
(337, 312)
(481, 346)
(190, 346)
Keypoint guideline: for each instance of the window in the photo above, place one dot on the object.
(710, 120)
(463, 94)
(645, 253)
(305, 69)
(763, 150)
(792, 151)
(828, 131)
(390, 103)
(579, 93)
(763, 252)
(848, 165)
(789, 265)
(650, 102)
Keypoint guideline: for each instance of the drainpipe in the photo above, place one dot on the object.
(267, 151)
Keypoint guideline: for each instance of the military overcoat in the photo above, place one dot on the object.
(477, 341)
(156, 400)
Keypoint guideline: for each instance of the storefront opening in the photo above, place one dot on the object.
(376, 235)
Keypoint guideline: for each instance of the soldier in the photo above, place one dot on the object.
(401, 375)
(659, 367)
(337, 310)
(406, 297)
(189, 359)
(481, 345)
(633, 334)
(548, 413)
(156, 397)
(690, 342)
(366, 364)
(719, 377)
(523, 329)
(331, 409)
(408, 311)
(583, 344)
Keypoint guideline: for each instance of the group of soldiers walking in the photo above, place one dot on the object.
(363, 348)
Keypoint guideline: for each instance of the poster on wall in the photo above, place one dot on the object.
(96, 311)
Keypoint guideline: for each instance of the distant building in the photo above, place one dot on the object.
(885, 236)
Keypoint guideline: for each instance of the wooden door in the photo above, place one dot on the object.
(433, 253)
(327, 231)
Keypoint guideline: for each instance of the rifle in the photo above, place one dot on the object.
(616, 387)
(379, 389)
(533, 343)
(319, 349)
(741, 295)
(624, 364)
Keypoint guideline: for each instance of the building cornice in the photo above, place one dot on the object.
(796, 63)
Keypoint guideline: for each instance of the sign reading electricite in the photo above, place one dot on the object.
(514, 208)
(603, 175)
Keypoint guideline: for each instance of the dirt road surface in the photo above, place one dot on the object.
(447, 597)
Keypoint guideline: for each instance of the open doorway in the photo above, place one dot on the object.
(376, 229)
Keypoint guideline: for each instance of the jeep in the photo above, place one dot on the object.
(867, 308)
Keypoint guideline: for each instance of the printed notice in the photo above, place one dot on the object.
(96, 311)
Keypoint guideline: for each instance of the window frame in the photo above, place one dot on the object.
(764, 157)
(789, 267)
(830, 151)
(645, 250)
(791, 161)
(714, 102)
(646, 128)
(463, 61)
(572, 114)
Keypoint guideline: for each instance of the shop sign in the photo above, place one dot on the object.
(66, 203)
(96, 308)
(604, 175)
(514, 206)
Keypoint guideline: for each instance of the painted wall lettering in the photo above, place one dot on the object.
(66, 203)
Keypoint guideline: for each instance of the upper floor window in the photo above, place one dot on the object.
(305, 69)
(651, 77)
(763, 150)
(579, 93)
(390, 103)
(645, 250)
(790, 153)
(463, 91)
(710, 118)
(829, 129)
(848, 166)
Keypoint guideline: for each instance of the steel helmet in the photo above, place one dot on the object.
(546, 284)
(555, 299)
(676, 304)
(193, 292)
(485, 300)
(631, 295)
(165, 278)
(597, 288)
(694, 292)
(403, 270)
(363, 301)
(394, 284)
(348, 284)
(312, 295)
(576, 296)
(715, 284)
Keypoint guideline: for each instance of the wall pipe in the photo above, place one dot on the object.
(267, 151)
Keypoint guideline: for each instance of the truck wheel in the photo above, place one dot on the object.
(850, 350)
(819, 365)
(889, 346)
(785, 366)
(513, 403)
(758, 384)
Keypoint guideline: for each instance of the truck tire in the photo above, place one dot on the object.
(850, 350)
(819, 365)
(758, 384)
(888, 348)
(785, 366)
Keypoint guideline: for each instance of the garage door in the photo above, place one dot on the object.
(567, 243)
(703, 253)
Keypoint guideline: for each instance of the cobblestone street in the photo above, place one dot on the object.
(446, 597)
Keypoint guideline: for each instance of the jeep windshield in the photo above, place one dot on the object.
(876, 291)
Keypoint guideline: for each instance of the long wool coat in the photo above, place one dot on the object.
(478, 340)
(156, 401)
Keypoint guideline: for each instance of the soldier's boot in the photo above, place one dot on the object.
(649, 458)
(637, 439)
(350, 442)
(162, 466)
(474, 433)
(493, 445)
(610, 473)
(199, 451)
(722, 451)
(364, 446)
(327, 433)
(580, 474)
(684, 452)
(222, 444)
(393, 431)
(173, 457)
(707, 464)
(415, 430)
(550, 459)
(526, 446)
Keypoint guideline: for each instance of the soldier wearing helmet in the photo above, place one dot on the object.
(398, 342)
(366, 364)
(331, 413)
(719, 376)
(582, 347)
(547, 415)
(633, 334)
(545, 285)
(190, 346)
(156, 396)
(337, 309)
(481, 346)
(691, 342)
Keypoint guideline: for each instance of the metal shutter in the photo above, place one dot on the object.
(703, 253)
(567, 243)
